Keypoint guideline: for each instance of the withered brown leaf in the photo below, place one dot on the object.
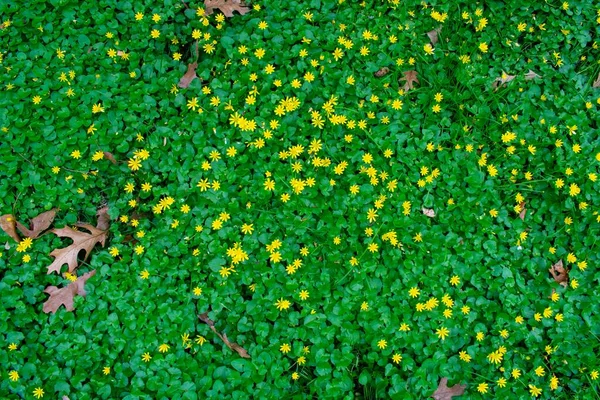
(38, 224)
(504, 78)
(443, 392)
(109, 156)
(433, 35)
(531, 75)
(82, 241)
(232, 345)
(189, 76)
(559, 273)
(596, 83)
(227, 7)
(64, 296)
(523, 211)
(381, 72)
(411, 78)
(7, 223)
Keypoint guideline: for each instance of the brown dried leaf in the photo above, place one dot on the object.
(523, 211)
(103, 221)
(189, 76)
(227, 7)
(381, 72)
(429, 212)
(232, 345)
(505, 78)
(433, 35)
(559, 273)
(38, 224)
(81, 241)
(531, 75)
(7, 223)
(443, 392)
(64, 296)
(596, 83)
(411, 78)
(109, 156)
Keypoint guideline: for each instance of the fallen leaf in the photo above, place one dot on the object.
(7, 223)
(64, 296)
(429, 212)
(504, 78)
(531, 75)
(81, 241)
(109, 156)
(381, 72)
(411, 78)
(103, 221)
(232, 345)
(189, 76)
(559, 273)
(596, 83)
(433, 35)
(523, 211)
(443, 392)
(227, 7)
(38, 224)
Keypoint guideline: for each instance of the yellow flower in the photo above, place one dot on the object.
(442, 333)
(539, 371)
(146, 357)
(163, 348)
(382, 344)
(38, 392)
(13, 375)
(97, 108)
(282, 304)
(106, 370)
(396, 358)
(285, 348)
(483, 47)
(482, 388)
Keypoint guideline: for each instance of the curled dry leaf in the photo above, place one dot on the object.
(443, 392)
(7, 223)
(429, 212)
(64, 296)
(523, 211)
(504, 78)
(381, 72)
(227, 7)
(38, 224)
(433, 35)
(411, 78)
(189, 76)
(559, 273)
(109, 156)
(596, 83)
(531, 75)
(232, 345)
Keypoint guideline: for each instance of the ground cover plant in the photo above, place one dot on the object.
(302, 199)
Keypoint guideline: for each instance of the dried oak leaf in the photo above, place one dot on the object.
(81, 241)
(189, 76)
(433, 35)
(38, 224)
(596, 83)
(411, 78)
(7, 223)
(381, 72)
(559, 273)
(232, 345)
(64, 296)
(227, 7)
(504, 78)
(443, 392)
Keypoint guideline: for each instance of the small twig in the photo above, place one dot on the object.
(186, 6)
